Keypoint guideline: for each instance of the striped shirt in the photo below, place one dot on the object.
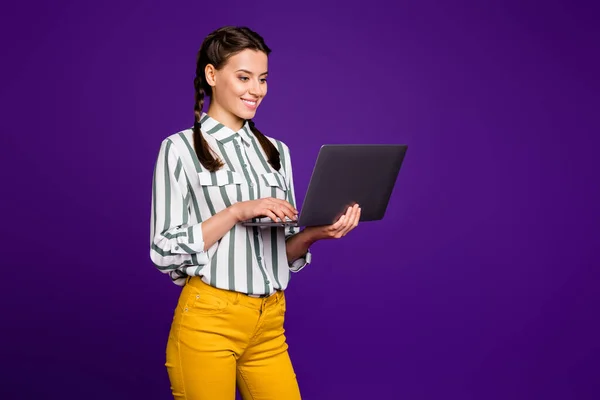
(250, 260)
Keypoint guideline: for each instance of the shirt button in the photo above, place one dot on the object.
(268, 282)
(251, 184)
(176, 247)
(245, 165)
(259, 258)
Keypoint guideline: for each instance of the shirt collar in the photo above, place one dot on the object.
(222, 133)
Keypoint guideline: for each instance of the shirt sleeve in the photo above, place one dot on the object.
(174, 244)
(306, 258)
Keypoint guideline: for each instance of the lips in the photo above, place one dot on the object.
(250, 103)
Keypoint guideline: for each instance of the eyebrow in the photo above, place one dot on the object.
(250, 73)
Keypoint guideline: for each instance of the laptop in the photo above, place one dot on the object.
(343, 175)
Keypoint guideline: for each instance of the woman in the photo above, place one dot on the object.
(228, 324)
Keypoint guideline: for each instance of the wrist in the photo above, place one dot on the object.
(309, 236)
(233, 212)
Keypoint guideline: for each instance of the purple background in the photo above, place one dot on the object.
(480, 283)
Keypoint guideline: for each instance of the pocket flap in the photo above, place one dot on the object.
(220, 178)
(274, 179)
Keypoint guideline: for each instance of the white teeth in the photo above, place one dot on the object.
(249, 102)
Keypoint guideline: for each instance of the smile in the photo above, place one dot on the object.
(250, 103)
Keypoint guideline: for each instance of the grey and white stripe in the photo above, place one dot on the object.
(250, 260)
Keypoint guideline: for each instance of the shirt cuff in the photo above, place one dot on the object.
(300, 263)
(191, 241)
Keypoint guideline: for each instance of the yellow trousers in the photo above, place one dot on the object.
(220, 339)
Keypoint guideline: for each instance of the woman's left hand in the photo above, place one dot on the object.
(344, 224)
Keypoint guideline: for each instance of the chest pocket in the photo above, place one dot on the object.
(222, 187)
(274, 185)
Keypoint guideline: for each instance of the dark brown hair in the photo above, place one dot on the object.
(216, 49)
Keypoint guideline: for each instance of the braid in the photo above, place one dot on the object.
(215, 50)
(200, 144)
(270, 150)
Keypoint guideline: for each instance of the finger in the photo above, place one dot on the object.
(340, 223)
(278, 211)
(290, 212)
(347, 214)
(273, 207)
(285, 207)
(333, 229)
(351, 220)
(355, 216)
(270, 214)
(285, 204)
(357, 219)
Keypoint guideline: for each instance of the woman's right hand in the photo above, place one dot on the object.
(266, 207)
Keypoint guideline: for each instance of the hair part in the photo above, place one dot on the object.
(216, 49)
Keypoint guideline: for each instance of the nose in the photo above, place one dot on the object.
(255, 89)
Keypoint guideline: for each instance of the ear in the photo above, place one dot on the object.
(209, 73)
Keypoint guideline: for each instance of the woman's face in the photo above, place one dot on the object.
(239, 87)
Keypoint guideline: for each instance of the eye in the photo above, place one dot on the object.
(264, 80)
(243, 78)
